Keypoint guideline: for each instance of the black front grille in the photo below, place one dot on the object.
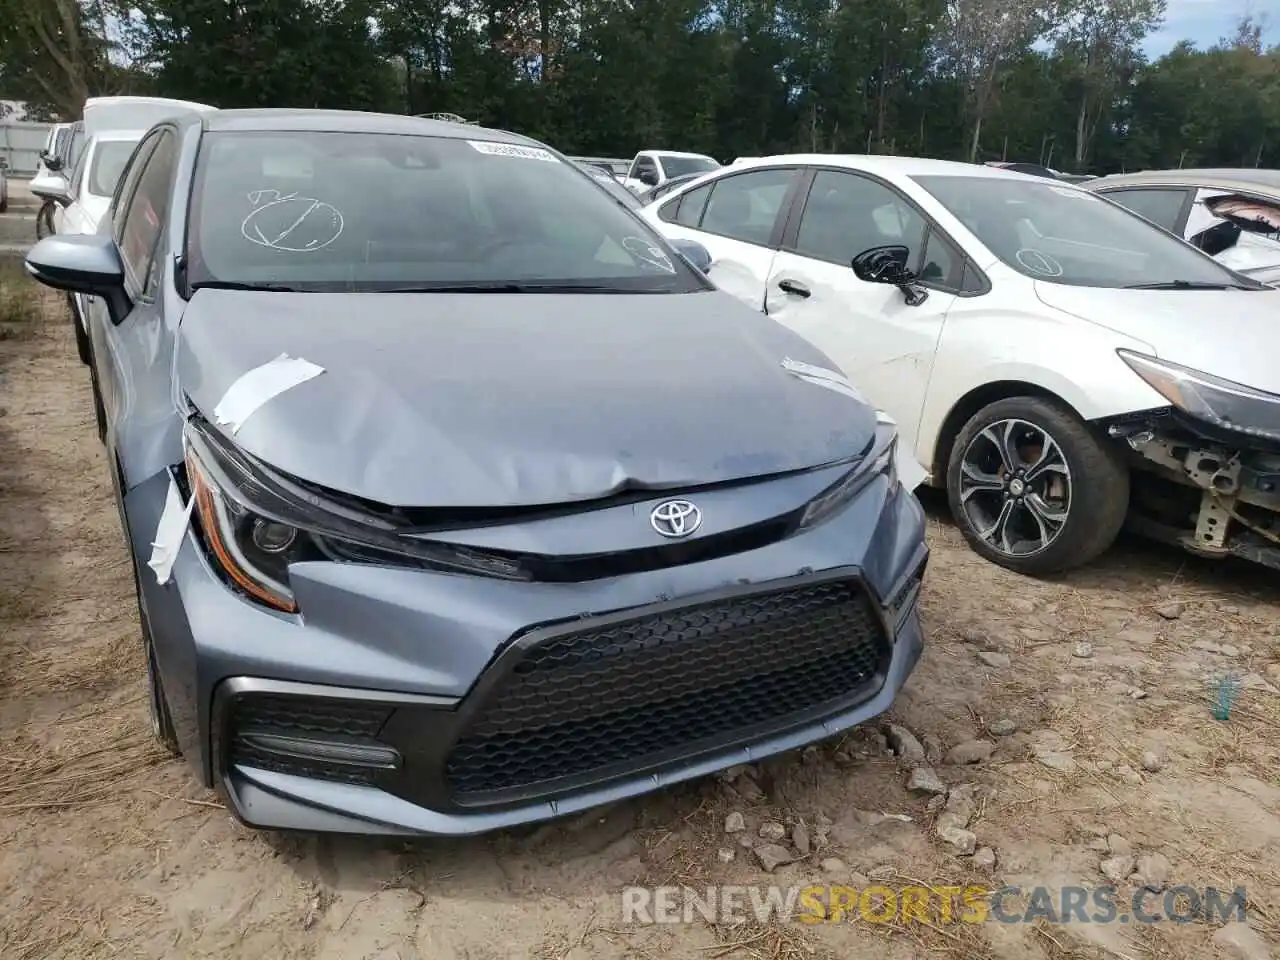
(632, 693)
(303, 717)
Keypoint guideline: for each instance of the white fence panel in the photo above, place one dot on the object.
(20, 144)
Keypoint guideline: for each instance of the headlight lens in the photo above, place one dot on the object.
(253, 551)
(1231, 406)
(256, 523)
(882, 461)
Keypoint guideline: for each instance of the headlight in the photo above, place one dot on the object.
(253, 550)
(882, 461)
(1222, 403)
(256, 523)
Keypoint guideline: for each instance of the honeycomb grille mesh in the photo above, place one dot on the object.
(631, 692)
(303, 717)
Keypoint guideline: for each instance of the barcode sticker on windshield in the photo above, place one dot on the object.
(513, 150)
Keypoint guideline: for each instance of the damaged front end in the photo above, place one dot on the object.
(256, 521)
(1206, 467)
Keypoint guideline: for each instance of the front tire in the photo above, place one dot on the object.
(44, 219)
(1033, 489)
(161, 720)
(83, 348)
(99, 409)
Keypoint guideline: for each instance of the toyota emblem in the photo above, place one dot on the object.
(675, 518)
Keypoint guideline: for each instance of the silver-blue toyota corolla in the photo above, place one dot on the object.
(458, 498)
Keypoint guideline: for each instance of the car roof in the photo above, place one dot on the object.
(117, 135)
(677, 153)
(888, 166)
(1224, 178)
(347, 121)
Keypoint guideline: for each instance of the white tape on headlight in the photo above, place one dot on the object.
(255, 387)
(170, 531)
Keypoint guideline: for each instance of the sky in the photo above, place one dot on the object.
(1205, 21)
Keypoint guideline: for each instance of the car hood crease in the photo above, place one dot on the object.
(508, 400)
(1232, 334)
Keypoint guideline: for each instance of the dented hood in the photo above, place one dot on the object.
(517, 399)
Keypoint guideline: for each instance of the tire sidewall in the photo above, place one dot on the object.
(161, 720)
(1098, 481)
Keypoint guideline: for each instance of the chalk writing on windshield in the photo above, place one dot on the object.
(290, 222)
(644, 250)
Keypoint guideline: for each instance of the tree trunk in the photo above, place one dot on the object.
(977, 136)
(1081, 136)
(544, 39)
(884, 76)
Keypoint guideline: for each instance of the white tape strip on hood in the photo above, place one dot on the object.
(910, 473)
(822, 377)
(170, 532)
(255, 387)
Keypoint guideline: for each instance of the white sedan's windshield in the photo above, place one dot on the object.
(363, 211)
(1062, 234)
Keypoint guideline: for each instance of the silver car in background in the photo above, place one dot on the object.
(1231, 214)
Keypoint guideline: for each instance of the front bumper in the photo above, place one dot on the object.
(516, 702)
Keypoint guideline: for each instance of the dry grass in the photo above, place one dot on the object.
(95, 761)
(20, 302)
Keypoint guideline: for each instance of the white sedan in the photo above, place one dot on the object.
(1045, 352)
(86, 195)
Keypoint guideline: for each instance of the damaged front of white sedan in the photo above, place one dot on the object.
(1207, 466)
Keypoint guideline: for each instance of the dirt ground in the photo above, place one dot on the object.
(1106, 679)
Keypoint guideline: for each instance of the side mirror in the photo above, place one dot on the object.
(888, 264)
(648, 177)
(82, 263)
(52, 188)
(697, 255)
(51, 163)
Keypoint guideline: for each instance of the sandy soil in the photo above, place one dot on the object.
(108, 849)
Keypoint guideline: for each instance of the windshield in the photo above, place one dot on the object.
(109, 158)
(679, 166)
(615, 189)
(1062, 234)
(61, 140)
(74, 148)
(359, 211)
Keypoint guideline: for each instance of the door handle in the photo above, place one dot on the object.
(794, 287)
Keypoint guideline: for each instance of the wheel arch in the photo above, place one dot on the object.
(969, 404)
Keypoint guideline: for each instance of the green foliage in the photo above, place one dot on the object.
(1056, 81)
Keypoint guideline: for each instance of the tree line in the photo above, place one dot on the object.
(1060, 82)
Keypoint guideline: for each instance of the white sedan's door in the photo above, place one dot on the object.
(736, 218)
(883, 345)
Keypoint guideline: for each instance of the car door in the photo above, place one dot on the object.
(1241, 231)
(138, 215)
(882, 343)
(738, 218)
(69, 219)
(643, 175)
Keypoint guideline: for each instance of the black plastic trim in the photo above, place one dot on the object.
(514, 652)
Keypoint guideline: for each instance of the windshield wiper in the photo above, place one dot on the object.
(1187, 285)
(510, 287)
(237, 285)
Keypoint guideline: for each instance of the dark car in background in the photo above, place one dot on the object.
(456, 499)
